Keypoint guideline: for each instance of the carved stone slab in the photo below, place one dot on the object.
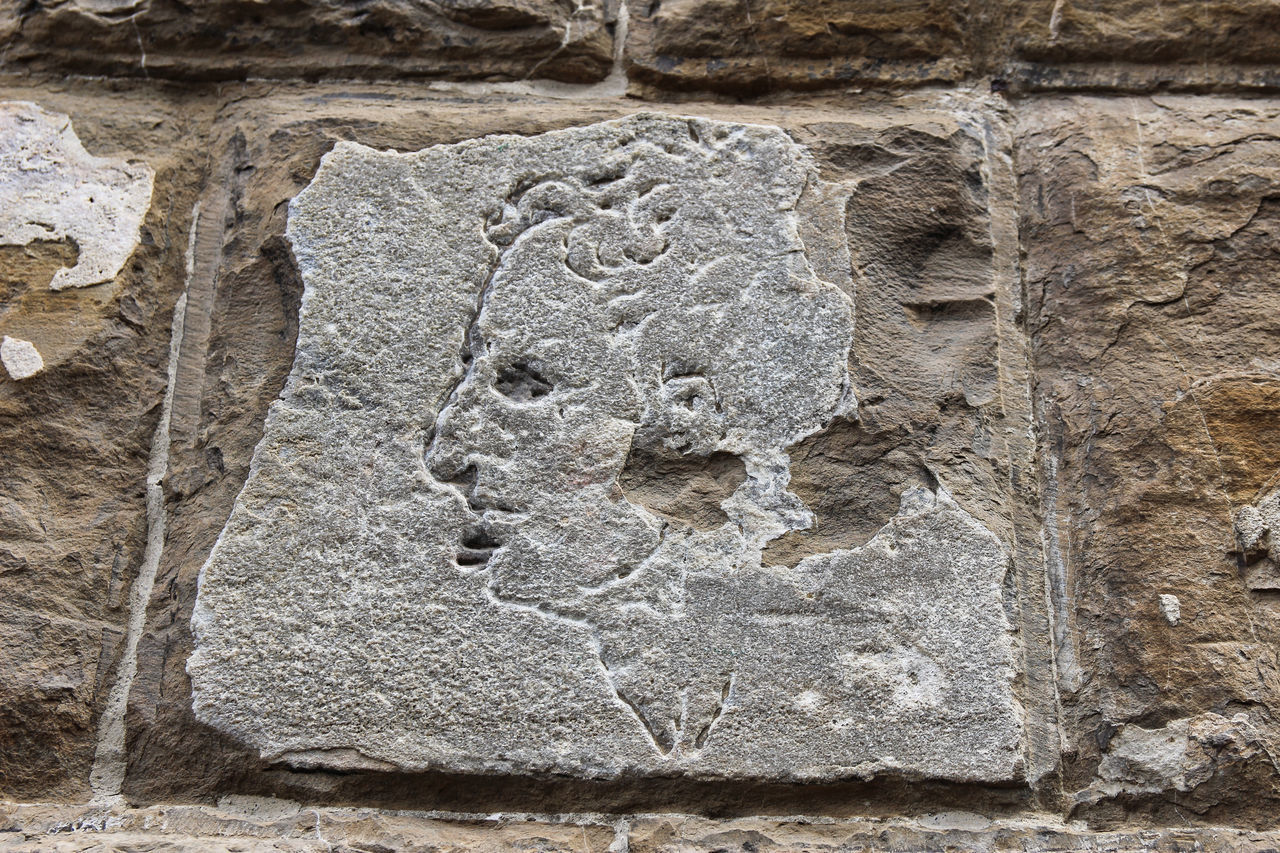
(509, 512)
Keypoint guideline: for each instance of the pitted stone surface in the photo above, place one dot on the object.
(444, 555)
(52, 189)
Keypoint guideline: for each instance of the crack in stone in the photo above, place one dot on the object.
(661, 742)
(701, 740)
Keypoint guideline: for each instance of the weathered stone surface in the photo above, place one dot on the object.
(234, 39)
(1137, 307)
(1135, 44)
(609, 289)
(244, 297)
(252, 824)
(1258, 537)
(238, 342)
(1182, 756)
(51, 189)
(1149, 227)
(760, 45)
(76, 433)
(20, 358)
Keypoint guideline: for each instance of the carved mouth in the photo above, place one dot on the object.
(481, 540)
(477, 547)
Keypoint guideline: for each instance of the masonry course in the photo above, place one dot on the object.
(763, 424)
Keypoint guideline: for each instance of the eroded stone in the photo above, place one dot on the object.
(745, 46)
(1133, 44)
(310, 39)
(438, 560)
(1150, 232)
(77, 434)
(1258, 535)
(1184, 755)
(52, 189)
(248, 824)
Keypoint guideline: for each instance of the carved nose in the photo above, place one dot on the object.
(445, 454)
(452, 468)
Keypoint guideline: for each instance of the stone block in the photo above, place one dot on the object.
(753, 46)
(1133, 44)
(311, 39)
(92, 244)
(611, 597)
(1149, 227)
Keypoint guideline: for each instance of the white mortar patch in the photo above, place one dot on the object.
(52, 189)
(21, 358)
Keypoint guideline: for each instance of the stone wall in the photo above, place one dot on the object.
(674, 425)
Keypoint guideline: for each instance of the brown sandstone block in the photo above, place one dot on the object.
(1149, 229)
(110, 224)
(751, 46)
(1133, 44)
(312, 39)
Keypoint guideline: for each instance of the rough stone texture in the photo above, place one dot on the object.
(76, 436)
(480, 575)
(1150, 232)
(756, 46)
(1062, 350)
(312, 39)
(1258, 536)
(1181, 756)
(252, 824)
(761, 45)
(1134, 44)
(270, 148)
(51, 189)
(21, 359)
(730, 47)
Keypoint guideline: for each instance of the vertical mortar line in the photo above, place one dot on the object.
(205, 258)
(106, 779)
(621, 836)
(1044, 473)
(1055, 580)
(1065, 671)
(621, 30)
(1016, 382)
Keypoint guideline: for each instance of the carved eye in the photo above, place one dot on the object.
(522, 383)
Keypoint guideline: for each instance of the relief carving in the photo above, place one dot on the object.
(517, 493)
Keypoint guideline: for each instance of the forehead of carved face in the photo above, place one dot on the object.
(637, 305)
